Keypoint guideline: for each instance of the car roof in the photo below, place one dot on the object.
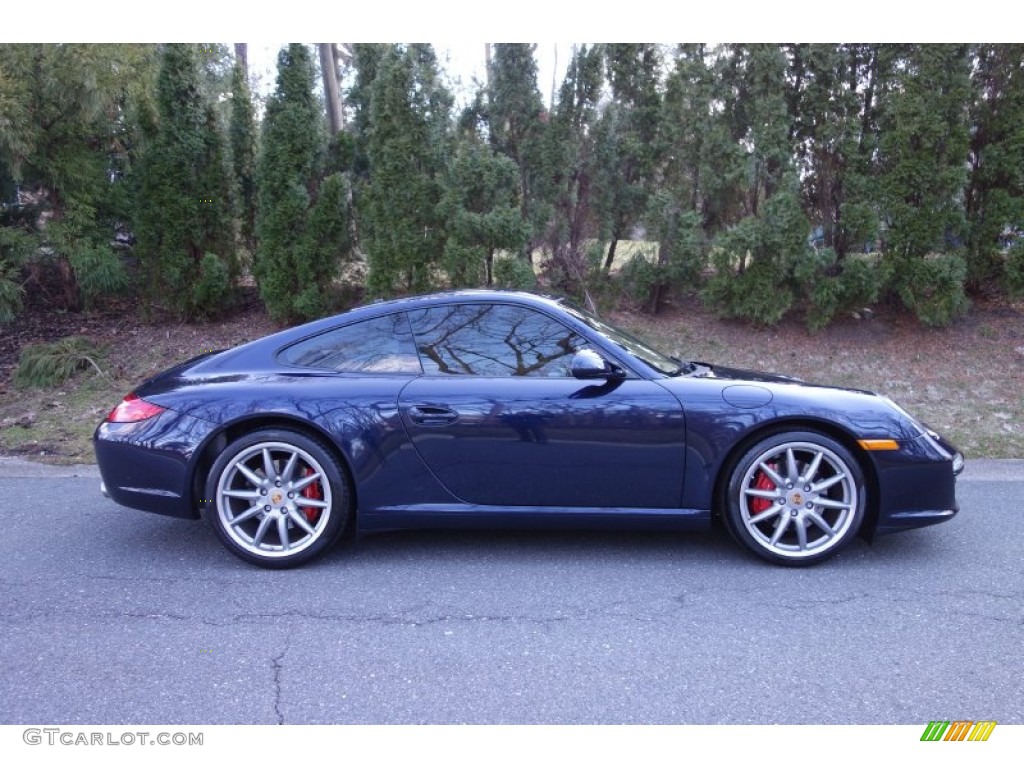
(266, 346)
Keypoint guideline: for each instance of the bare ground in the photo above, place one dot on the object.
(966, 381)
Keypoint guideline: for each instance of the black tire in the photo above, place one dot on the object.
(279, 498)
(796, 498)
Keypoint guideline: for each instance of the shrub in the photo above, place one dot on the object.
(831, 287)
(640, 275)
(759, 293)
(1014, 276)
(515, 273)
(211, 288)
(46, 365)
(10, 293)
(933, 288)
(754, 262)
(15, 246)
(98, 271)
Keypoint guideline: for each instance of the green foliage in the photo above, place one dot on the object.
(46, 365)
(641, 275)
(569, 165)
(516, 127)
(514, 273)
(326, 244)
(995, 188)
(10, 293)
(366, 61)
(212, 287)
(754, 262)
(830, 90)
(482, 213)
(919, 147)
(65, 139)
(681, 256)
(302, 220)
(757, 293)
(242, 132)
(814, 272)
(933, 287)
(703, 166)
(831, 286)
(184, 201)
(923, 149)
(409, 137)
(1014, 275)
(626, 145)
(15, 247)
(99, 271)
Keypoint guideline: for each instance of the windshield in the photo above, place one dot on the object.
(659, 361)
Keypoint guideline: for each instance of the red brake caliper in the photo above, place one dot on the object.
(762, 483)
(311, 491)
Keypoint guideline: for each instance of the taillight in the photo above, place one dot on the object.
(133, 408)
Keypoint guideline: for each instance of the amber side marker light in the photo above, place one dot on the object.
(879, 445)
(133, 408)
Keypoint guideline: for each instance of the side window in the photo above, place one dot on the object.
(493, 340)
(381, 345)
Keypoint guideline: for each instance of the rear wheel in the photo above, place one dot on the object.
(796, 498)
(279, 498)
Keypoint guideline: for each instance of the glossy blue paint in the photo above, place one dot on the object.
(645, 449)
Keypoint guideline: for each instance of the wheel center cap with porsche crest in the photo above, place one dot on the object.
(796, 498)
(276, 497)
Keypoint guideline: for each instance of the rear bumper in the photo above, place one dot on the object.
(147, 465)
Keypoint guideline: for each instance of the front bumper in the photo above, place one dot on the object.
(917, 484)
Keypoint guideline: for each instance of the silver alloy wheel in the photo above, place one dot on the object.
(798, 500)
(264, 495)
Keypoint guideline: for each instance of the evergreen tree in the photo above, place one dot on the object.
(183, 214)
(754, 104)
(367, 58)
(827, 91)
(995, 188)
(569, 161)
(755, 258)
(64, 141)
(516, 122)
(302, 223)
(480, 206)
(626, 141)
(924, 153)
(409, 142)
(243, 157)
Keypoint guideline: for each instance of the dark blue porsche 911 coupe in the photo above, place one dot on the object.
(488, 408)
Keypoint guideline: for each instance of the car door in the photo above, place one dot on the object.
(499, 419)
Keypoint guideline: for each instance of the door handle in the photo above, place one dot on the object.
(432, 416)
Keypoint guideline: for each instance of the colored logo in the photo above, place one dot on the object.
(958, 730)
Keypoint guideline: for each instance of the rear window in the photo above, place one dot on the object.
(381, 345)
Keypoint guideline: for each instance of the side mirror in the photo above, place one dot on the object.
(588, 364)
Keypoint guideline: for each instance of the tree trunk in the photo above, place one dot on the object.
(611, 254)
(332, 94)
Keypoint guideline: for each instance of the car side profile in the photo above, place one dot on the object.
(492, 408)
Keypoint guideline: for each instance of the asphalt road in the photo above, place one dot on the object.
(108, 615)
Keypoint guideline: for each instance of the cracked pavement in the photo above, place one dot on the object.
(109, 615)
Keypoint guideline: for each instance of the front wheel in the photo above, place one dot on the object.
(796, 498)
(279, 498)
